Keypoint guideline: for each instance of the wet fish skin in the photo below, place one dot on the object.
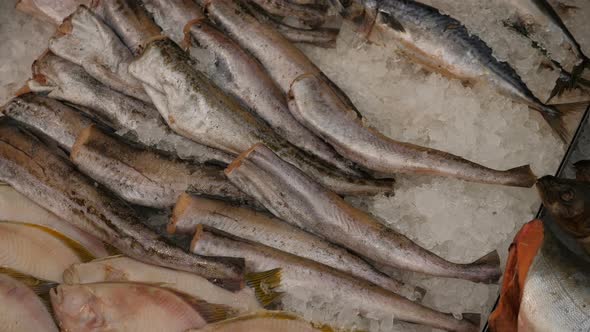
(296, 274)
(24, 248)
(260, 227)
(311, 15)
(582, 170)
(263, 321)
(292, 196)
(144, 177)
(442, 44)
(51, 11)
(194, 107)
(127, 307)
(568, 202)
(19, 301)
(47, 178)
(84, 39)
(69, 82)
(317, 107)
(16, 208)
(125, 269)
(49, 117)
(556, 295)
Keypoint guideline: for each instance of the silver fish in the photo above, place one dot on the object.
(263, 228)
(240, 75)
(194, 107)
(16, 208)
(84, 39)
(442, 44)
(145, 177)
(556, 295)
(49, 117)
(125, 269)
(130, 307)
(67, 81)
(315, 105)
(22, 309)
(46, 177)
(38, 251)
(263, 321)
(292, 274)
(292, 196)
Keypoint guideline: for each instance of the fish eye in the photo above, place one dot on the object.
(568, 195)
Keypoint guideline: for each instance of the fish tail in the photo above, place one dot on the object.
(521, 176)
(553, 114)
(486, 269)
(264, 285)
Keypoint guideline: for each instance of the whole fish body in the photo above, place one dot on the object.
(295, 275)
(194, 107)
(67, 81)
(38, 251)
(240, 75)
(556, 295)
(84, 39)
(47, 178)
(22, 309)
(125, 269)
(320, 106)
(48, 117)
(292, 196)
(263, 321)
(130, 307)
(16, 208)
(444, 45)
(260, 227)
(145, 177)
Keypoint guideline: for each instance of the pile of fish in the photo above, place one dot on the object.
(206, 112)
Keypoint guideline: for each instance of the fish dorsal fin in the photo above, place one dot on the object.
(210, 312)
(78, 248)
(264, 285)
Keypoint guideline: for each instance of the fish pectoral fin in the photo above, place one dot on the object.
(264, 285)
(518, 26)
(390, 21)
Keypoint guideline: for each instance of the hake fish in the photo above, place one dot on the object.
(556, 295)
(125, 269)
(263, 321)
(16, 208)
(194, 107)
(69, 82)
(38, 251)
(44, 176)
(568, 202)
(132, 307)
(292, 196)
(286, 273)
(320, 106)
(84, 39)
(240, 75)
(260, 227)
(48, 117)
(22, 309)
(442, 44)
(145, 177)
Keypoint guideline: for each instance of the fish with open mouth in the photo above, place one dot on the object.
(84, 39)
(42, 174)
(125, 306)
(195, 108)
(292, 196)
(145, 177)
(24, 247)
(287, 273)
(125, 269)
(191, 211)
(22, 308)
(568, 202)
(66, 81)
(240, 75)
(444, 45)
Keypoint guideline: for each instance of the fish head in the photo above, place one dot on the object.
(76, 307)
(568, 202)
